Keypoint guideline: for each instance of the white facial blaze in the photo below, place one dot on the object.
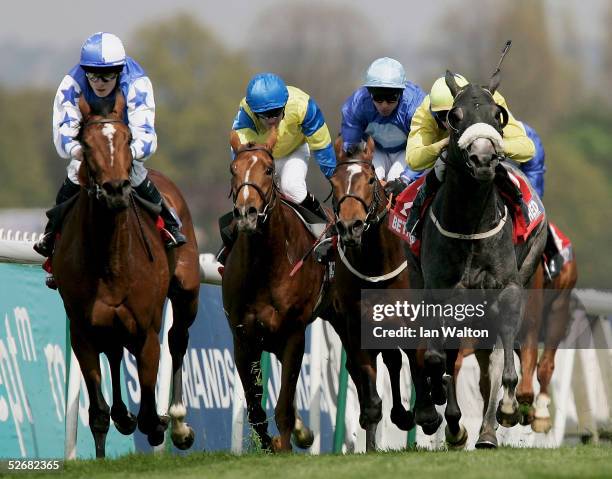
(245, 191)
(109, 131)
(353, 170)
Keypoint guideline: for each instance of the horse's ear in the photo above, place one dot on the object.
(235, 141)
(119, 104)
(84, 107)
(272, 137)
(494, 82)
(451, 83)
(368, 151)
(338, 147)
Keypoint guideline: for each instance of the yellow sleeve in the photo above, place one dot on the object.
(425, 139)
(517, 145)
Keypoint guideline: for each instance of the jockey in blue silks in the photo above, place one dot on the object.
(103, 70)
(383, 108)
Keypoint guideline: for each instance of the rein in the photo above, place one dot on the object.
(372, 216)
(269, 203)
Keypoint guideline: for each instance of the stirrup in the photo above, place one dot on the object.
(173, 240)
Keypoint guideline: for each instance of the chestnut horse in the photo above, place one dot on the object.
(369, 256)
(267, 309)
(113, 275)
(547, 317)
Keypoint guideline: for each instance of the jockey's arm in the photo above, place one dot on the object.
(67, 118)
(141, 118)
(317, 136)
(535, 168)
(426, 140)
(353, 126)
(517, 145)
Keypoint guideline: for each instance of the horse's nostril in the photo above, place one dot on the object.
(236, 212)
(126, 184)
(252, 211)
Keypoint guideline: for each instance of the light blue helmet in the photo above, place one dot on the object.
(385, 73)
(266, 91)
(102, 50)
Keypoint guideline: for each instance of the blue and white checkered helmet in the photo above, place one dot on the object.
(385, 73)
(102, 50)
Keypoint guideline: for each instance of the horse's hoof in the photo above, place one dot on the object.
(430, 427)
(541, 424)
(486, 440)
(402, 418)
(303, 437)
(457, 441)
(527, 413)
(277, 445)
(182, 441)
(156, 437)
(507, 419)
(127, 424)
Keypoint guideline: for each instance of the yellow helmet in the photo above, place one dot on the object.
(440, 97)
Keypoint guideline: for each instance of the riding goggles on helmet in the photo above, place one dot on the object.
(269, 114)
(105, 77)
(388, 97)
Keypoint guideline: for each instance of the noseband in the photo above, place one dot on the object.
(372, 217)
(269, 202)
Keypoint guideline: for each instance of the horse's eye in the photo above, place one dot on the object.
(269, 171)
(371, 180)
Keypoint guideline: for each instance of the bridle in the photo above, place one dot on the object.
(93, 188)
(269, 200)
(373, 215)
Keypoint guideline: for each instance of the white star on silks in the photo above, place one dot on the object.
(70, 95)
(140, 98)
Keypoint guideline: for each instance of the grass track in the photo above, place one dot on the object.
(504, 463)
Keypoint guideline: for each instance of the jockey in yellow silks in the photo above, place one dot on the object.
(429, 134)
(302, 133)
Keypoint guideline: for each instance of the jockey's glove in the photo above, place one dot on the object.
(395, 187)
(440, 167)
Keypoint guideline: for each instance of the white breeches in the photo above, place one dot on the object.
(291, 171)
(389, 166)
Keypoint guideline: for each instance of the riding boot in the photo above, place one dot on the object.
(553, 259)
(227, 228)
(313, 205)
(427, 189)
(44, 246)
(148, 191)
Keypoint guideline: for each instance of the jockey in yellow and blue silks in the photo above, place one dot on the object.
(302, 133)
(534, 169)
(104, 70)
(383, 108)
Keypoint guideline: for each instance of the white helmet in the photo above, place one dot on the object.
(385, 73)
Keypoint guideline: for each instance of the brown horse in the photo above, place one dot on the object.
(267, 309)
(547, 315)
(113, 274)
(369, 256)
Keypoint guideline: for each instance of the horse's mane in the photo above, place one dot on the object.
(354, 150)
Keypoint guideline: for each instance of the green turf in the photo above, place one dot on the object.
(504, 463)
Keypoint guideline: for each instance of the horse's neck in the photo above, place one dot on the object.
(467, 205)
(272, 242)
(380, 252)
(107, 235)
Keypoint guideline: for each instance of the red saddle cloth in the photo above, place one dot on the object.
(562, 242)
(527, 213)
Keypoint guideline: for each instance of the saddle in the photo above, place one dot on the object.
(525, 206)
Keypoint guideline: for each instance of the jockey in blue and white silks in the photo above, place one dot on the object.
(103, 70)
(383, 108)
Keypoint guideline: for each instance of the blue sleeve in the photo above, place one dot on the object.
(413, 96)
(352, 128)
(313, 119)
(243, 120)
(409, 175)
(326, 158)
(534, 169)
